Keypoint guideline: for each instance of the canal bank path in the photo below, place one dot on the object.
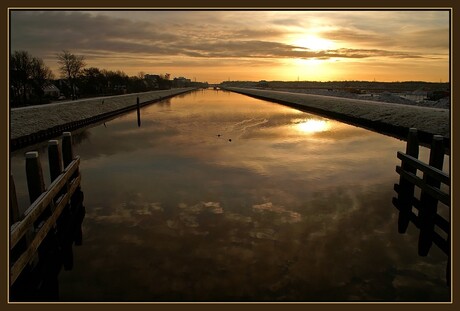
(33, 124)
(387, 118)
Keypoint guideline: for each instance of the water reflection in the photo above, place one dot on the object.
(312, 125)
(40, 280)
(180, 213)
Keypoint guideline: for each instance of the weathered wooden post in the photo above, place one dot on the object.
(406, 188)
(14, 208)
(54, 159)
(66, 217)
(138, 113)
(36, 186)
(34, 173)
(67, 150)
(428, 204)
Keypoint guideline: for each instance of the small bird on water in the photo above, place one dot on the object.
(230, 139)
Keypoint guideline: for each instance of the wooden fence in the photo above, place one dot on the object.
(423, 211)
(42, 237)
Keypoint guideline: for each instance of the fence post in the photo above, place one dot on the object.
(54, 159)
(36, 186)
(14, 209)
(65, 221)
(428, 204)
(67, 150)
(35, 182)
(138, 113)
(406, 188)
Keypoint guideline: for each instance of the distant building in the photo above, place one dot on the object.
(152, 77)
(51, 90)
(181, 82)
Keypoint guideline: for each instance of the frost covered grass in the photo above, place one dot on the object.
(363, 112)
(27, 120)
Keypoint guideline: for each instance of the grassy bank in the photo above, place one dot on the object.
(33, 124)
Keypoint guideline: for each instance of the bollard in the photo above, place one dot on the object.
(138, 113)
(67, 149)
(54, 159)
(35, 182)
(36, 187)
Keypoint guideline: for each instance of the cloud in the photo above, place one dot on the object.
(420, 40)
(53, 31)
(133, 40)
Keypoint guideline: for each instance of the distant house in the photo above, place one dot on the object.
(181, 82)
(51, 90)
(152, 77)
(152, 80)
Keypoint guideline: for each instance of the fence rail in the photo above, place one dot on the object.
(434, 228)
(49, 225)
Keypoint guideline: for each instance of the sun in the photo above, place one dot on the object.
(313, 43)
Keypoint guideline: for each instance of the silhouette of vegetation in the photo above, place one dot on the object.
(28, 77)
(71, 67)
(32, 82)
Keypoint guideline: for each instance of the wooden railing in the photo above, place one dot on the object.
(52, 223)
(423, 211)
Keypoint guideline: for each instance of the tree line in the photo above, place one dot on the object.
(32, 82)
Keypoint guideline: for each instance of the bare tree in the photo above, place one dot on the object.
(41, 75)
(71, 66)
(28, 76)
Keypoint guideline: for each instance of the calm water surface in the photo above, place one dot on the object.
(294, 208)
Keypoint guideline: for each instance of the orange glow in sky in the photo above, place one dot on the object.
(216, 46)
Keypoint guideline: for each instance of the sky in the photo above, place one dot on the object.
(214, 46)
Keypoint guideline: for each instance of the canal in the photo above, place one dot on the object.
(215, 196)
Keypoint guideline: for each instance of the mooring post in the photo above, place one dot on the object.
(428, 204)
(54, 159)
(138, 113)
(406, 188)
(67, 150)
(36, 187)
(56, 168)
(14, 209)
(35, 182)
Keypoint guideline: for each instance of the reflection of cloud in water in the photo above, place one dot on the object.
(277, 211)
(187, 220)
(264, 234)
(213, 207)
(129, 212)
(286, 215)
(238, 218)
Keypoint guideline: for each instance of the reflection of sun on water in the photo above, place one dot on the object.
(313, 126)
